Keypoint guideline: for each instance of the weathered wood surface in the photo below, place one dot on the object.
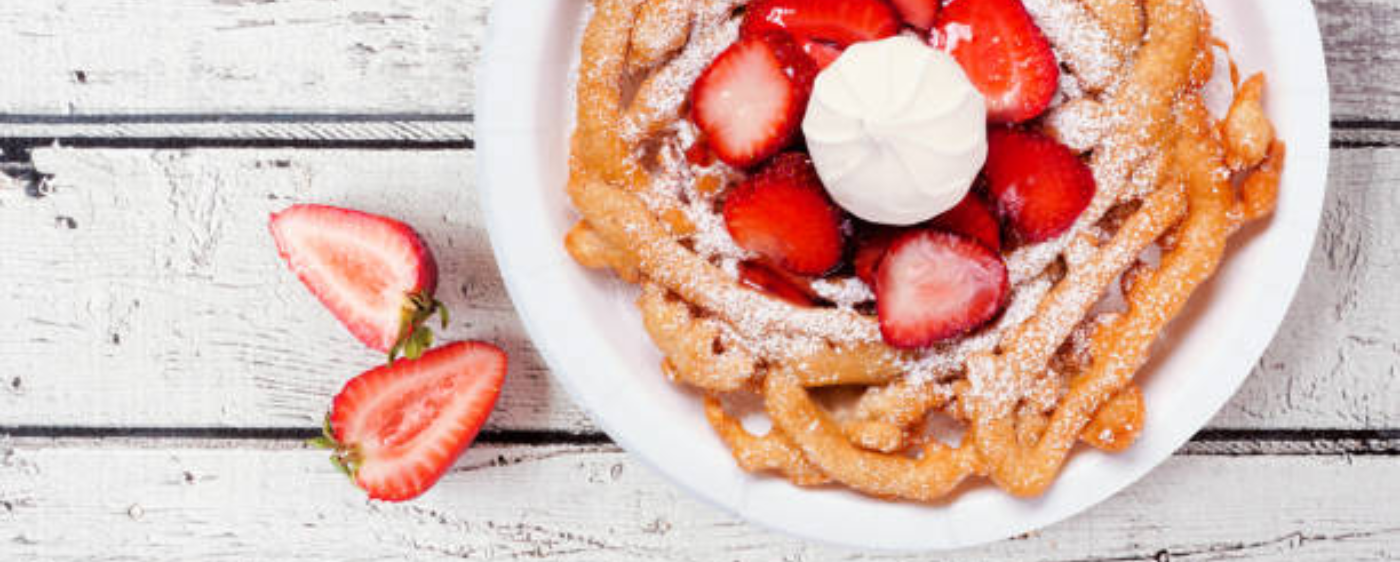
(142, 289)
(85, 57)
(396, 57)
(139, 295)
(225, 502)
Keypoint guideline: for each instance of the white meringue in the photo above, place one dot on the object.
(896, 130)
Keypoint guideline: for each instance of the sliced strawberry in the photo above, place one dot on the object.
(1039, 186)
(397, 428)
(783, 214)
(821, 53)
(1005, 55)
(699, 154)
(973, 218)
(374, 273)
(872, 241)
(920, 14)
(750, 101)
(777, 283)
(823, 27)
(935, 285)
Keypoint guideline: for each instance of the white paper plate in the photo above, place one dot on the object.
(586, 327)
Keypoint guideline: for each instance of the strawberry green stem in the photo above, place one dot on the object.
(414, 337)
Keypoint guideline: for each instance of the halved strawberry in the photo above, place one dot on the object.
(823, 27)
(397, 428)
(374, 273)
(920, 14)
(935, 285)
(872, 241)
(750, 101)
(783, 214)
(822, 53)
(1003, 53)
(780, 284)
(699, 154)
(1039, 186)
(973, 218)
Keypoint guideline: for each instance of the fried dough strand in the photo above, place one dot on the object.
(1168, 177)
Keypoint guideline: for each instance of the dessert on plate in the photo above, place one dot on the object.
(876, 217)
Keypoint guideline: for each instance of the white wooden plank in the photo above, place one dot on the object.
(290, 129)
(227, 503)
(86, 57)
(156, 298)
(143, 291)
(1334, 361)
(1363, 57)
(218, 56)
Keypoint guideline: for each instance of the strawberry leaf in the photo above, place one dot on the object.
(321, 443)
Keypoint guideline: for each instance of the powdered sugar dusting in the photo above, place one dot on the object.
(666, 91)
(1079, 40)
(844, 292)
(773, 329)
(940, 362)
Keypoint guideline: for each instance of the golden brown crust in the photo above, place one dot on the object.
(1166, 176)
(772, 452)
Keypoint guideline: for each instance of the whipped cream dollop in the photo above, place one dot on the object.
(896, 131)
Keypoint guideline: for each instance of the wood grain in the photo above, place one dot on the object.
(138, 289)
(76, 58)
(113, 501)
(141, 289)
(85, 57)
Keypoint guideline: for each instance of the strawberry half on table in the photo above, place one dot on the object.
(375, 274)
(396, 429)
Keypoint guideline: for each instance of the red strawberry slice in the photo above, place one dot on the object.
(750, 101)
(823, 27)
(871, 244)
(973, 218)
(920, 14)
(397, 428)
(777, 283)
(1040, 187)
(699, 154)
(783, 214)
(821, 53)
(935, 285)
(374, 273)
(1005, 55)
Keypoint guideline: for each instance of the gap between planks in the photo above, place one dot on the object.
(370, 131)
(1208, 442)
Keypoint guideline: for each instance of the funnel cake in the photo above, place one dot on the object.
(1053, 368)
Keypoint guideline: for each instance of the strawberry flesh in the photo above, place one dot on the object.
(821, 53)
(777, 283)
(919, 14)
(1004, 54)
(973, 218)
(783, 214)
(932, 286)
(397, 428)
(823, 27)
(750, 101)
(1040, 187)
(872, 241)
(375, 274)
